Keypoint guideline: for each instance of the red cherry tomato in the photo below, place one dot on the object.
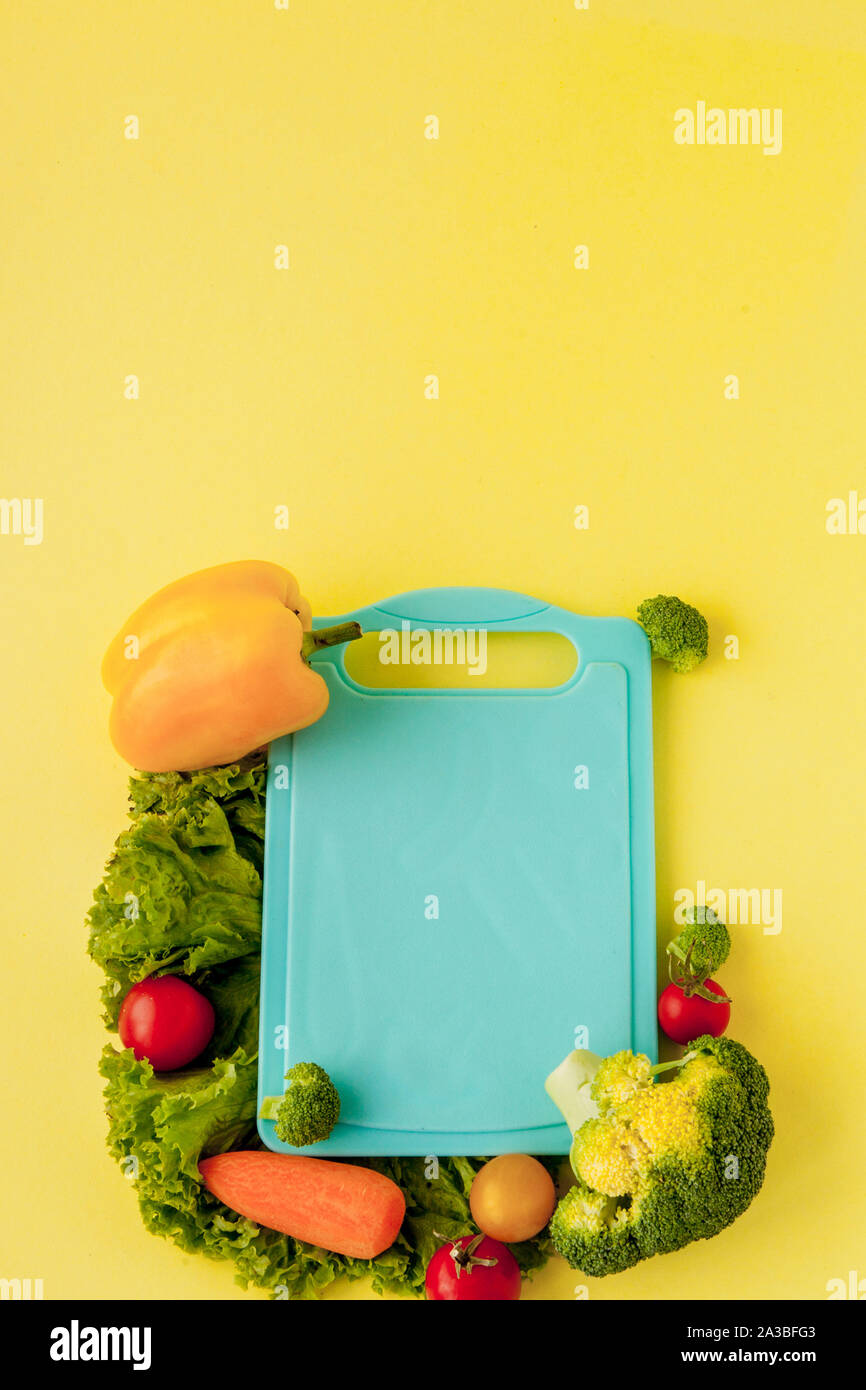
(166, 1021)
(474, 1268)
(686, 1018)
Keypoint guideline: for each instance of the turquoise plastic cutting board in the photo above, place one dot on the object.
(439, 1033)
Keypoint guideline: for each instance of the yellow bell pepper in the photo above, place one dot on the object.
(215, 666)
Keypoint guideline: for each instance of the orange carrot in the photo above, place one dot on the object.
(344, 1208)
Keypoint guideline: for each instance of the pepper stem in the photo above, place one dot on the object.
(329, 637)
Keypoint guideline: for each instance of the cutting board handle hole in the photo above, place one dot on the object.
(414, 657)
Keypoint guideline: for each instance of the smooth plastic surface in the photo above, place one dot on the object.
(444, 907)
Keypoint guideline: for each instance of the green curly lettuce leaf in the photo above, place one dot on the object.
(233, 990)
(182, 889)
(159, 1128)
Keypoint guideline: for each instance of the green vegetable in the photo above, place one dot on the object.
(310, 1108)
(182, 892)
(665, 1163)
(678, 633)
(703, 944)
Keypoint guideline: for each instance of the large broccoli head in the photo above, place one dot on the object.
(678, 633)
(664, 1163)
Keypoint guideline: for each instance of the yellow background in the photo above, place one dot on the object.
(558, 387)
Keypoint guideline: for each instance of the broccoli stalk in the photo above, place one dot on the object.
(570, 1087)
(308, 1111)
(663, 1164)
(677, 632)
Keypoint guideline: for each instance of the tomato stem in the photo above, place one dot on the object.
(688, 982)
(464, 1256)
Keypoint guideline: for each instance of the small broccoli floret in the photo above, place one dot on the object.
(706, 937)
(678, 633)
(310, 1108)
(606, 1157)
(618, 1078)
(665, 1121)
(587, 1229)
(668, 1162)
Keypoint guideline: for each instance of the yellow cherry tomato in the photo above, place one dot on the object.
(512, 1197)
